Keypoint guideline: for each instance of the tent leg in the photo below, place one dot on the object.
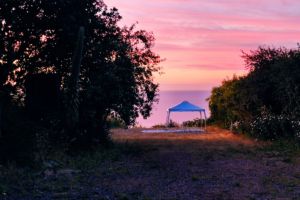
(168, 119)
(205, 120)
(201, 120)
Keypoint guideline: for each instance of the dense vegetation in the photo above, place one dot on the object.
(266, 102)
(66, 67)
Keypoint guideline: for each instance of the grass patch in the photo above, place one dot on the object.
(90, 160)
(237, 184)
(122, 196)
(105, 167)
(195, 178)
(286, 149)
(56, 173)
(152, 164)
(283, 146)
(287, 160)
(274, 182)
(83, 161)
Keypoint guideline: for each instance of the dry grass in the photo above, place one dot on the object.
(214, 137)
(217, 164)
(212, 133)
(167, 166)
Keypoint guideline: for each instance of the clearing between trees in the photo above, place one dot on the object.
(212, 165)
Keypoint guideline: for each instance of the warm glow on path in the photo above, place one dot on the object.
(215, 138)
(202, 40)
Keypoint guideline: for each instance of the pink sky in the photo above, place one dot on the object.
(202, 40)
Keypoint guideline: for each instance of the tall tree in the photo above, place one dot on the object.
(116, 74)
(271, 88)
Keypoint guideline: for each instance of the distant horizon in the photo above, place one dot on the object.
(171, 98)
(170, 90)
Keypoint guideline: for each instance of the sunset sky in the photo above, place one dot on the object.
(202, 40)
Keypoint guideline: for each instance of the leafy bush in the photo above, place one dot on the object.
(295, 126)
(232, 102)
(23, 140)
(173, 124)
(193, 123)
(240, 127)
(271, 85)
(114, 122)
(159, 126)
(112, 73)
(272, 127)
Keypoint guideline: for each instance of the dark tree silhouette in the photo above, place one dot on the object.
(116, 74)
(270, 92)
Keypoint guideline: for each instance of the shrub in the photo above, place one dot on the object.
(159, 126)
(296, 128)
(22, 140)
(271, 127)
(115, 123)
(240, 127)
(193, 123)
(271, 85)
(25, 140)
(173, 124)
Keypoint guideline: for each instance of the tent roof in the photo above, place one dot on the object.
(185, 106)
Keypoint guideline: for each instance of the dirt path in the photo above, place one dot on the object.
(212, 165)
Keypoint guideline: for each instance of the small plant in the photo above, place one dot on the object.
(159, 126)
(173, 124)
(114, 122)
(122, 196)
(237, 184)
(271, 127)
(193, 123)
(195, 178)
(240, 127)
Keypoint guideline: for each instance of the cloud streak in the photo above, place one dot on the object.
(209, 35)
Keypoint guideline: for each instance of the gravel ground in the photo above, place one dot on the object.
(212, 165)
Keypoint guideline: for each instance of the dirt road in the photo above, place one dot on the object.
(212, 165)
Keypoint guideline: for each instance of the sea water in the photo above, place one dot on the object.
(169, 99)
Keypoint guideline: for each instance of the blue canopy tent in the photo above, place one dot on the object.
(186, 106)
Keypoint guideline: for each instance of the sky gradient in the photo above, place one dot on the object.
(202, 40)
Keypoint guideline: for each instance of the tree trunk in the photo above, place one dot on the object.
(1, 107)
(4, 74)
(2, 102)
(72, 115)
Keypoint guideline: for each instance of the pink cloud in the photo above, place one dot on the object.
(209, 35)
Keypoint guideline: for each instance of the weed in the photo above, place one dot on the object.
(195, 178)
(287, 160)
(237, 184)
(122, 196)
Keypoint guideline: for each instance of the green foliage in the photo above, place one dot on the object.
(231, 102)
(193, 123)
(274, 78)
(159, 126)
(115, 122)
(272, 86)
(173, 124)
(116, 70)
(24, 140)
(272, 127)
